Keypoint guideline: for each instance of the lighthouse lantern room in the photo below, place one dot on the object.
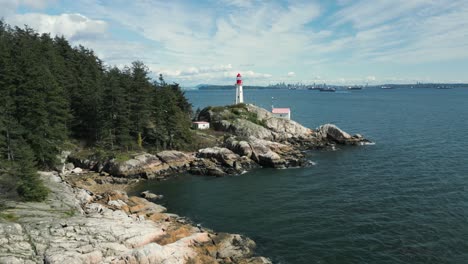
(239, 92)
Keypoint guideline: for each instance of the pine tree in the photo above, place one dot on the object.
(114, 116)
(40, 104)
(86, 96)
(139, 98)
(30, 187)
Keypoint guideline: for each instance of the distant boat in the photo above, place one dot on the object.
(387, 87)
(444, 87)
(354, 88)
(327, 90)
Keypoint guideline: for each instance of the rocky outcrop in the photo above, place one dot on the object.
(330, 132)
(264, 156)
(220, 161)
(239, 147)
(176, 160)
(77, 226)
(249, 121)
(137, 165)
(282, 129)
(253, 137)
(271, 141)
(245, 128)
(234, 247)
(145, 165)
(222, 155)
(150, 195)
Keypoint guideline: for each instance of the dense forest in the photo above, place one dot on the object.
(52, 94)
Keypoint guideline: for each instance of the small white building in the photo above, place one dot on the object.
(281, 113)
(200, 125)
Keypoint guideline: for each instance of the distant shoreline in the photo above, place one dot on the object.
(338, 87)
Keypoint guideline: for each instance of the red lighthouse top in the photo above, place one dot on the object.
(239, 79)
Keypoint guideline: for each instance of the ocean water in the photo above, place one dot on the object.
(402, 200)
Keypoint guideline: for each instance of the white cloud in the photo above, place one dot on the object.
(291, 74)
(218, 74)
(239, 36)
(262, 39)
(70, 25)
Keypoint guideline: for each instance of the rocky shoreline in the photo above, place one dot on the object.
(252, 138)
(75, 225)
(89, 218)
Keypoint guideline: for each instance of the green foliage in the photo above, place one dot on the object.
(52, 93)
(30, 187)
(70, 213)
(236, 111)
(9, 217)
(140, 140)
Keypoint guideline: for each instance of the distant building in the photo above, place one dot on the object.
(281, 113)
(200, 125)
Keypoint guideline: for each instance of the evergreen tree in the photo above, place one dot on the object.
(139, 99)
(114, 114)
(51, 92)
(85, 95)
(40, 104)
(30, 187)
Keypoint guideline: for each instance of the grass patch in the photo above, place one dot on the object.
(9, 217)
(237, 111)
(70, 213)
(122, 156)
(234, 107)
(103, 154)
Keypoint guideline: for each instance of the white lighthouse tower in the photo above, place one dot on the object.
(239, 92)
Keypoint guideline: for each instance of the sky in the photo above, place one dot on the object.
(195, 42)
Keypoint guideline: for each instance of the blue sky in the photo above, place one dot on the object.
(337, 42)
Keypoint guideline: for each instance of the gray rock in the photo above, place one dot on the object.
(332, 133)
(175, 159)
(77, 170)
(265, 156)
(283, 128)
(241, 148)
(117, 203)
(83, 196)
(145, 164)
(150, 195)
(234, 246)
(222, 155)
(69, 166)
(245, 128)
(62, 158)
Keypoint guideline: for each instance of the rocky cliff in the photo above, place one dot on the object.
(254, 133)
(75, 225)
(252, 138)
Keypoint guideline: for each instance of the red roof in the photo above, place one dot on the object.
(281, 110)
(200, 122)
(238, 75)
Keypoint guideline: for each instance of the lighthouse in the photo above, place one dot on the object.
(239, 92)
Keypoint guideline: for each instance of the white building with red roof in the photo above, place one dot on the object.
(200, 125)
(281, 113)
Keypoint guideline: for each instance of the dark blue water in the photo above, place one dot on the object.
(403, 200)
